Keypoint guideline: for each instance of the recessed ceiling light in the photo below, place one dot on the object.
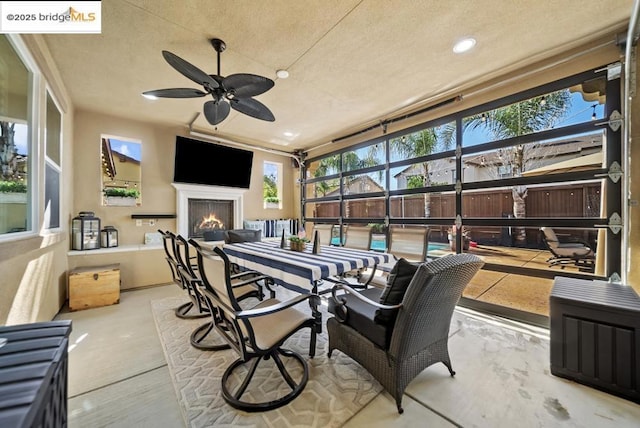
(288, 134)
(282, 74)
(464, 45)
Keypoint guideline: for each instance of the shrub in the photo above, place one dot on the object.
(124, 193)
(13, 187)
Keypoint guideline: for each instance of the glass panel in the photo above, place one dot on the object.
(323, 167)
(577, 104)
(320, 189)
(322, 209)
(562, 200)
(363, 157)
(554, 156)
(422, 143)
(53, 130)
(15, 141)
(51, 197)
(427, 205)
(439, 172)
(364, 183)
(121, 172)
(364, 208)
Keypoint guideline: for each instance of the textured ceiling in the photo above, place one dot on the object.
(351, 62)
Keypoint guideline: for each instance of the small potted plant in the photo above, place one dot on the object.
(297, 243)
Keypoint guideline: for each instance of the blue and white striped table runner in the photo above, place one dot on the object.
(300, 270)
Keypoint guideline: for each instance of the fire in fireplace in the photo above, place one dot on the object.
(208, 215)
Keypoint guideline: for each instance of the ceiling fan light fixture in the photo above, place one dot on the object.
(464, 45)
(149, 96)
(235, 91)
(282, 74)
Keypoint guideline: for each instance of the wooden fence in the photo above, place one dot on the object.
(557, 201)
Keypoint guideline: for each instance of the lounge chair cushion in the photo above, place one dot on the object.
(243, 235)
(361, 317)
(397, 283)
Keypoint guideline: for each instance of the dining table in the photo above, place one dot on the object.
(303, 271)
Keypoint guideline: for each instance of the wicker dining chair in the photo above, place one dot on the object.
(256, 335)
(396, 333)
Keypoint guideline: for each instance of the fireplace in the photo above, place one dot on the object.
(208, 215)
(202, 208)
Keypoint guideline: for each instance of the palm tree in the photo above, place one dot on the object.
(524, 117)
(423, 143)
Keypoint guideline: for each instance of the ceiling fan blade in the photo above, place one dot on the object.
(247, 85)
(253, 108)
(189, 70)
(216, 111)
(176, 93)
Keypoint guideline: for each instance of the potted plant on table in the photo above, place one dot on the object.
(297, 243)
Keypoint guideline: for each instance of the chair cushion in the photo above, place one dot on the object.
(214, 235)
(243, 235)
(361, 317)
(397, 283)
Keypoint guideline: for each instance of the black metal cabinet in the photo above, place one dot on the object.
(33, 374)
(594, 328)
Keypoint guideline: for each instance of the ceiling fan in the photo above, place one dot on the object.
(231, 92)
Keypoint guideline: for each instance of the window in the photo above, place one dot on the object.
(16, 163)
(272, 185)
(500, 171)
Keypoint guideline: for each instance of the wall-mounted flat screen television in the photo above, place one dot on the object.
(200, 162)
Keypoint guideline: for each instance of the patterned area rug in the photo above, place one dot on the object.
(337, 388)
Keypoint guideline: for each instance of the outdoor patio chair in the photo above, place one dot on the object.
(359, 238)
(257, 336)
(246, 284)
(188, 310)
(325, 233)
(409, 243)
(574, 252)
(397, 332)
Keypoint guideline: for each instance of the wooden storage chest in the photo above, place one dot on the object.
(94, 286)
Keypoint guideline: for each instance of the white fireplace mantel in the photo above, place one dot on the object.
(184, 192)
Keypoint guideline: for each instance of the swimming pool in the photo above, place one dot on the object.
(380, 245)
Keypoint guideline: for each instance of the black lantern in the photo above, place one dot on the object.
(109, 237)
(85, 231)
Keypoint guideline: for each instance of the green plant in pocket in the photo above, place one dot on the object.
(123, 193)
(13, 187)
(297, 239)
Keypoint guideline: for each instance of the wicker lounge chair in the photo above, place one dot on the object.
(395, 342)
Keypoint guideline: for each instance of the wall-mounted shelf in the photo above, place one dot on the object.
(154, 216)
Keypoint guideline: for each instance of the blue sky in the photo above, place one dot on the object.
(127, 148)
